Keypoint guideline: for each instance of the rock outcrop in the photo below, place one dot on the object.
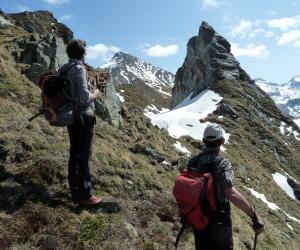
(42, 22)
(109, 107)
(44, 49)
(208, 58)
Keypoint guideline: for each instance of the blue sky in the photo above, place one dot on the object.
(265, 35)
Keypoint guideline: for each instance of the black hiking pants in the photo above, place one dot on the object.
(216, 236)
(80, 135)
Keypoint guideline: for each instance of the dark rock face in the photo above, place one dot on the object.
(208, 59)
(296, 187)
(42, 22)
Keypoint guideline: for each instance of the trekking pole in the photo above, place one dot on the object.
(36, 115)
(255, 241)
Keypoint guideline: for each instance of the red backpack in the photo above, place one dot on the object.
(195, 197)
(58, 104)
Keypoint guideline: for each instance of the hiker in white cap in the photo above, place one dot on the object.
(218, 233)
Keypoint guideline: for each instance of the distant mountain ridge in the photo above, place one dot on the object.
(128, 69)
(286, 95)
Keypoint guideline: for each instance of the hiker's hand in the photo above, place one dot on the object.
(52, 115)
(96, 93)
(258, 224)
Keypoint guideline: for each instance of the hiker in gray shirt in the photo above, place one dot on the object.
(81, 131)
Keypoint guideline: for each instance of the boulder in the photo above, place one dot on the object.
(109, 107)
(140, 148)
(35, 71)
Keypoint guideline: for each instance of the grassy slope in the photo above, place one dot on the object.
(35, 209)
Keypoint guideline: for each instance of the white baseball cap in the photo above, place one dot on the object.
(213, 132)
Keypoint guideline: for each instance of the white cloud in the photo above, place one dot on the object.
(67, 17)
(211, 3)
(255, 32)
(56, 1)
(297, 45)
(269, 34)
(285, 23)
(242, 29)
(101, 51)
(23, 8)
(251, 50)
(291, 37)
(161, 51)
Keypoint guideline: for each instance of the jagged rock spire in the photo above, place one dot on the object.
(208, 58)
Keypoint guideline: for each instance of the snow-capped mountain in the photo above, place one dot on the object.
(286, 96)
(128, 69)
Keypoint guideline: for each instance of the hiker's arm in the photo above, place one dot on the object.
(240, 202)
(85, 95)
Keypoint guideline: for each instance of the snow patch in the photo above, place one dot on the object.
(281, 181)
(181, 148)
(189, 111)
(297, 121)
(153, 110)
(288, 130)
(289, 226)
(122, 99)
(262, 197)
(110, 64)
(4, 21)
(270, 205)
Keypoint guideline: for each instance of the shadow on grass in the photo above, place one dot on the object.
(14, 193)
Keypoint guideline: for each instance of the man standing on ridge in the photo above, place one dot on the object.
(218, 234)
(81, 131)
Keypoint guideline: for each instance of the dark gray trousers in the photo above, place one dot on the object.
(217, 235)
(80, 135)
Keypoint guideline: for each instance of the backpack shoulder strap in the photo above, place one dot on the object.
(64, 70)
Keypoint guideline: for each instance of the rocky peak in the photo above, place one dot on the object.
(128, 69)
(42, 22)
(286, 95)
(208, 59)
(295, 82)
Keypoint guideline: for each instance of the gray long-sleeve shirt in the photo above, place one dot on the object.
(75, 72)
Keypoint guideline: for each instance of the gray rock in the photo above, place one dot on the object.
(225, 108)
(109, 107)
(35, 71)
(43, 53)
(150, 152)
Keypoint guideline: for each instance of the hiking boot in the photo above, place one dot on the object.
(93, 200)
